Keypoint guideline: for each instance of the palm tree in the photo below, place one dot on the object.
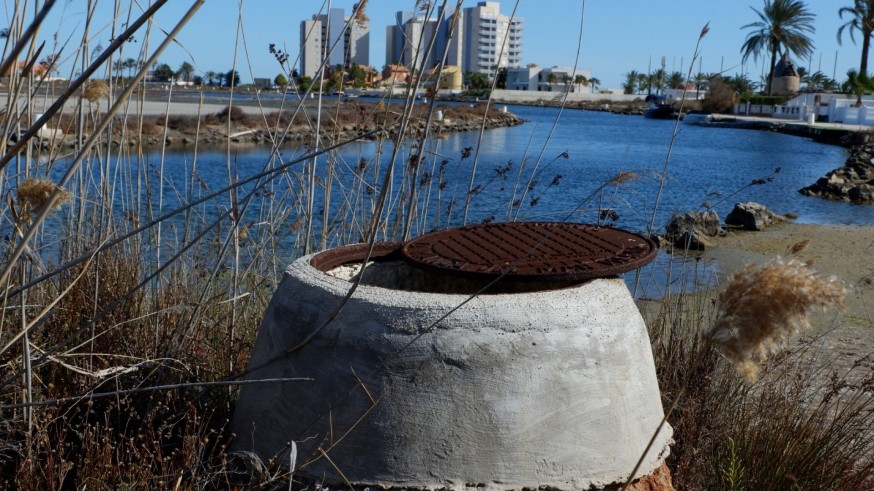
(701, 81)
(594, 83)
(858, 83)
(643, 82)
(551, 79)
(211, 77)
(862, 20)
(185, 71)
(130, 64)
(819, 80)
(675, 80)
(782, 27)
(630, 84)
(580, 80)
(803, 76)
(118, 67)
(657, 79)
(742, 84)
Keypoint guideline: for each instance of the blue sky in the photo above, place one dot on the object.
(618, 35)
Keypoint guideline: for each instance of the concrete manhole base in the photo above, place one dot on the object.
(553, 388)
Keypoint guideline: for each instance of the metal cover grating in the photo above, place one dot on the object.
(532, 250)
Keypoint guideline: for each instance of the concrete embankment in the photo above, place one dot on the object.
(821, 132)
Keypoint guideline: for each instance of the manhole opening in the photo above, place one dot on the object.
(389, 269)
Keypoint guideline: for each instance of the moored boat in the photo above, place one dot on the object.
(698, 117)
(658, 108)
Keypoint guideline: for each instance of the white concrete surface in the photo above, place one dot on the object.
(153, 107)
(551, 388)
(527, 96)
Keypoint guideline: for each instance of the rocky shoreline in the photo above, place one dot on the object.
(339, 122)
(853, 182)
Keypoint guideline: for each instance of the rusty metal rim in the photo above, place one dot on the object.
(327, 260)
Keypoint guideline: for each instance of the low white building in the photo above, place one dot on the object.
(817, 106)
(522, 77)
(554, 79)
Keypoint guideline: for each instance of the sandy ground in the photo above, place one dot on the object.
(846, 252)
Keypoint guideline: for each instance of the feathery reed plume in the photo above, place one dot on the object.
(623, 177)
(32, 196)
(762, 305)
(800, 246)
(422, 6)
(94, 90)
(360, 10)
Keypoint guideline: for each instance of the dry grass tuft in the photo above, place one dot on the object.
(361, 17)
(33, 194)
(799, 246)
(762, 305)
(623, 178)
(95, 90)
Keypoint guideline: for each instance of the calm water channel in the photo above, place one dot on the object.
(565, 164)
(708, 166)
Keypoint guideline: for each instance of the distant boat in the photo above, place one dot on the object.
(698, 117)
(658, 108)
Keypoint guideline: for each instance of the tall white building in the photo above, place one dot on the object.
(490, 39)
(321, 32)
(408, 39)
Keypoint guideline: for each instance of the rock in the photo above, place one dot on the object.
(862, 194)
(752, 216)
(693, 241)
(847, 183)
(835, 179)
(694, 230)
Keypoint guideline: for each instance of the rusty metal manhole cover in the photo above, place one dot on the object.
(536, 251)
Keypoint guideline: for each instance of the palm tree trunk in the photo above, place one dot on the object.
(866, 43)
(771, 73)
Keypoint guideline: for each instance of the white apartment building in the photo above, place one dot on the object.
(408, 39)
(407, 43)
(321, 32)
(490, 39)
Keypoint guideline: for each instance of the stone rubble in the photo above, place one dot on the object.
(853, 182)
